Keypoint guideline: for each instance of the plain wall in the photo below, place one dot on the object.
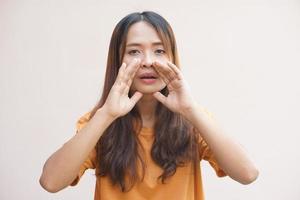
(240, 58)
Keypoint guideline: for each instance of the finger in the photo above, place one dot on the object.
(126, 73)
(123, 67)
(166, 71)
(119, 87)
(131, 70)
(131, 75)
(126, 89)
(160, 72)
(135, 98)
(175, 72)
(175, 69)
(162, 76)
(121, 73)
(160, 97)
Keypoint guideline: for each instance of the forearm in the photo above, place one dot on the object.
(231, 157)
(63, 165)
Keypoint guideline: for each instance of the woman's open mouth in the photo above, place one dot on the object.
(148, 78)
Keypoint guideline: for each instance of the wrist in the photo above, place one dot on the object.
(192, 112)
(104, 114)
(189, 111)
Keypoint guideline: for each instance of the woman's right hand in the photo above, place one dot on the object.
(118, 102)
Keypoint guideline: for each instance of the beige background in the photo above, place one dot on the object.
(241, 59)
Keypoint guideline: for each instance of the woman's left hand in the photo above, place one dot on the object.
(179, 99)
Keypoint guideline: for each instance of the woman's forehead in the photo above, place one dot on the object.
(142, 33)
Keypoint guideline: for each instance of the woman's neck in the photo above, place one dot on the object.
(147, 106)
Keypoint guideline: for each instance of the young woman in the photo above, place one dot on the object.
(147, 135)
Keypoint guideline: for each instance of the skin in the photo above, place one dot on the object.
(62, 166)
(144, 44)
(230, 155)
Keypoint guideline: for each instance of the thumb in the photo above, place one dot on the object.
(135, 98)
(160, 97)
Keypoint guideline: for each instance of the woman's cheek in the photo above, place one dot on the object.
(163, 59)
(129, 58)
(126, 60)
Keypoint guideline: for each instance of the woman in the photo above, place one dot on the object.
(147, 135)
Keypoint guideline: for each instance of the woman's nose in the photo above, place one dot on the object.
(147, 60)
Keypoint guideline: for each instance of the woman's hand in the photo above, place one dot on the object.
(118, 103)
(179, 99)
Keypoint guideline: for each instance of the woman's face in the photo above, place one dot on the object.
(144, 43)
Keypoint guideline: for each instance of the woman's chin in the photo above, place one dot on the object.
(149, 90)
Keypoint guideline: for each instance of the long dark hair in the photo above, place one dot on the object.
(117, 149)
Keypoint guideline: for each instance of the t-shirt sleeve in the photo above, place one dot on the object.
(89, 163)
(205, 152)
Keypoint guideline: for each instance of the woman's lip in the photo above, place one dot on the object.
(148, 75)
(148, 80)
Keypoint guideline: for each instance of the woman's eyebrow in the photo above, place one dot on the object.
(140, 44)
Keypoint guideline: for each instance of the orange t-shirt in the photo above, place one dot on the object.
(185, 184)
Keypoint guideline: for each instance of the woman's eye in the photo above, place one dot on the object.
(133, 52)
(160, 51)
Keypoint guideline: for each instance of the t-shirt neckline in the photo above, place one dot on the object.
(146, 131)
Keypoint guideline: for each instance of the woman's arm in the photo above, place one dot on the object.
(62, 166)
(231, 157)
